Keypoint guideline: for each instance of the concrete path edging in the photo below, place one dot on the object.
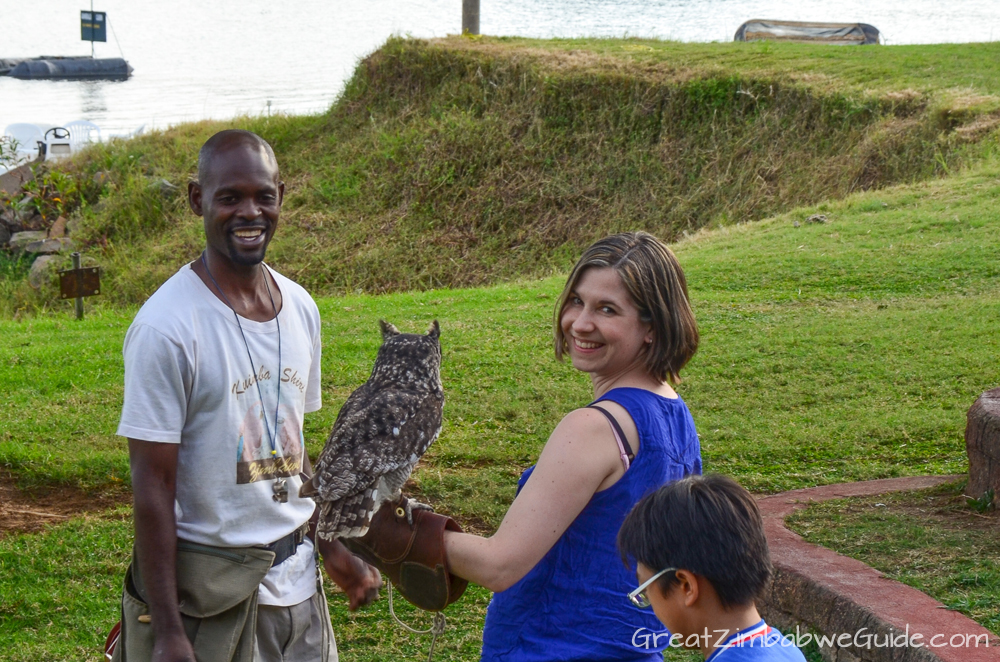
(816, 589)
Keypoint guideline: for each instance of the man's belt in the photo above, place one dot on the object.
(285, 548)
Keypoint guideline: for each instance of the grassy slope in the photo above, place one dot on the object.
(466, 162)
(838, 351)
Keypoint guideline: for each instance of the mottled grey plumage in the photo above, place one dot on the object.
(380, 433)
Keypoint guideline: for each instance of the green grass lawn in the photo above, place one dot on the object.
(60, 590)
(840, 351)
(929, 539)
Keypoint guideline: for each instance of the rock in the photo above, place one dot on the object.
(982, 444)
(58, 228)
(101, 177)
(844, 656)
(816, 218)
(8, 219)
(25, 214)
(49, 246)
(13, 179)
(166, 188)
(19, 240)
(41, 269)
(4, 235)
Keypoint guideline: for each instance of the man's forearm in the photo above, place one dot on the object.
(156, 549)
(341, 565)
(358, 580)
(156, 538)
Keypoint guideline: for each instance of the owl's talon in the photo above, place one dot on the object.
(412, 504)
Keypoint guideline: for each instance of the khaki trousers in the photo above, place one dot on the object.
(300, 633)
(217, 591)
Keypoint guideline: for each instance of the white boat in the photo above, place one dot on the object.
(44, 142)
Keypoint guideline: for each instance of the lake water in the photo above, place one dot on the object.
(197, 59)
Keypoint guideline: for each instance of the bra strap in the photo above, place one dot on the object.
(624, 449)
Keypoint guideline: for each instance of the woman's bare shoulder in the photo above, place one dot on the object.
(586, 435)
(585, 421)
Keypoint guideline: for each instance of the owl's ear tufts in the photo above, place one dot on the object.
(435, 331)
(388, 330)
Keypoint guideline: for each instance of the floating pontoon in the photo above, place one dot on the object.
(72, 68)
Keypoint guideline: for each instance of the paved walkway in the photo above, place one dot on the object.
(836, 594)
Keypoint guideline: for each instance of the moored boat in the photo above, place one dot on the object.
(72, 68)
(857, 34)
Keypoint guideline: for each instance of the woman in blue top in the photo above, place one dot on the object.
(560, 587)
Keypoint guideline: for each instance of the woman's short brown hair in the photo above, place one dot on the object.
(654, 279)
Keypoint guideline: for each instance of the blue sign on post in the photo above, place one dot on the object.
(93, 25)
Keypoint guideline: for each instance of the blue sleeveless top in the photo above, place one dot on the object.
(572, 605)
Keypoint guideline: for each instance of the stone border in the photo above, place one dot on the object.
(816, 589)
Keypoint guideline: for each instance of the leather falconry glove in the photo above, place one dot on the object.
(413, 557)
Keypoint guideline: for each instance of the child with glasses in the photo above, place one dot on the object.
(701, 560)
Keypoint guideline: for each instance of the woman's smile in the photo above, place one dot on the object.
(601, 322)
(585, 345)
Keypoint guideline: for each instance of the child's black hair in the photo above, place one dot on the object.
(708, 525)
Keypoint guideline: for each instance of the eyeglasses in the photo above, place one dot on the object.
(638, 596)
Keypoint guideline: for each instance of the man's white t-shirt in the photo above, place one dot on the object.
(189, 381)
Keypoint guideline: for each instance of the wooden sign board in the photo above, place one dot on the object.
(82, 282)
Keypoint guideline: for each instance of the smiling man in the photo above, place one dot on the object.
(221, 364)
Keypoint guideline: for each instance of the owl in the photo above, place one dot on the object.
(380, 434)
